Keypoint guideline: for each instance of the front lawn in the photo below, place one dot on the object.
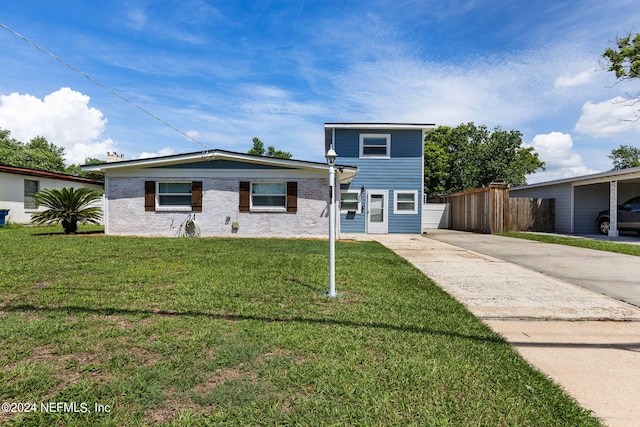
(239, 332)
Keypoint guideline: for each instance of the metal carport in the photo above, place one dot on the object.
(579, 199)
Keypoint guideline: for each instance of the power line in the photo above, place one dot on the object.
(102, 85)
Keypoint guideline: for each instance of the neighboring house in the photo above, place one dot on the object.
(386, 195)
(19, 185)
(578, 200)
(224, 193)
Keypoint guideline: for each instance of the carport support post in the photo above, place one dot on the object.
(613, 209)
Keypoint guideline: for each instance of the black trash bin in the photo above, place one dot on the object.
(3, 214)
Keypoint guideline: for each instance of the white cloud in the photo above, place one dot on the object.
(608, 118)
(63, 117)
(579, 79)
(561, 161)
(136, 18)
(97, 150)
(193, 134)
(166, 151)
(488, 90)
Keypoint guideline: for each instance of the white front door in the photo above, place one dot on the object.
(377, 204)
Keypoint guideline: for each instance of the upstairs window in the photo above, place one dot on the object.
(375, 146)
(31, 187)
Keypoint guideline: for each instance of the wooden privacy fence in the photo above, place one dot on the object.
(490, 210)
(527, 214)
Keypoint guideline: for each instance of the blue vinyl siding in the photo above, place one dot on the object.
(404, 143)
(390, 175)
(403, 171)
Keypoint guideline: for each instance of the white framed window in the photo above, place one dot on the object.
(174, 195)
(375, 145)
(269, 196)
(350, 201)
(31, 187)
(405, 202)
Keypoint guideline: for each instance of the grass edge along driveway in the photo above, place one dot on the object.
(580, 242)
(239, 332)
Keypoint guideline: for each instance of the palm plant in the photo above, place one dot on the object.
(68, 206)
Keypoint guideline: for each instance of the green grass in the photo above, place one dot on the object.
(240, 332)
(601, 245)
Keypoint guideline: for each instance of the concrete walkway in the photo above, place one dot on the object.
(585, 341)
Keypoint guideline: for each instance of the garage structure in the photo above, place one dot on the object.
(578, 200)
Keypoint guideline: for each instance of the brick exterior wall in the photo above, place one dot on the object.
(220, 199)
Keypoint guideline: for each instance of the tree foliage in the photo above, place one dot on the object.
(35, 154)
(258, 149)
(40, 154)
(625, 156)
(624, 60)
(74, 169)
(68, 206)
(469, 156)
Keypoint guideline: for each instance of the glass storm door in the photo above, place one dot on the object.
(377, 211)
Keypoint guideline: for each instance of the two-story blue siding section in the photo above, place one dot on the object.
(398, 178)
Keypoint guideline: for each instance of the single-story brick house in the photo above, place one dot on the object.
(19, 185)
(224, 193)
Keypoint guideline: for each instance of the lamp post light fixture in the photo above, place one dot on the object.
(331, 161)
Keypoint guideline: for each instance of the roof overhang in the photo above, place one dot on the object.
(346, 173)
(630, 174)
(389, 126)
(51, 175)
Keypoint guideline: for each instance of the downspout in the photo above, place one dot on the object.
(105, 205)
(421, 195)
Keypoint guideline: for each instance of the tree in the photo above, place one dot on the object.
(437, 159)
(470, 156)
(43, 155)
(36, 154)
(75, 170)
(625, 156)
(40, 154)
(68, 206)
(258, 149)
(625, 59)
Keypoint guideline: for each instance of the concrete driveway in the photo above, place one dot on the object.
(615, 275)
(585, 341)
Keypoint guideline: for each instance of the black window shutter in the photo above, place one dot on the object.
(149, 196)
(292, 196)
(245, 188)
(196, 196)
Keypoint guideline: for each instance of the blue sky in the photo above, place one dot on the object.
(224, 72)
